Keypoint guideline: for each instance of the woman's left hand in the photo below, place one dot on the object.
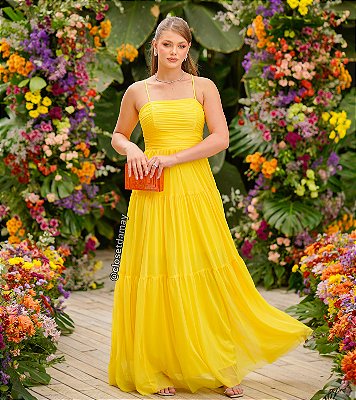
(160, 162)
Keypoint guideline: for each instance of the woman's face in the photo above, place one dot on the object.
(171, 48)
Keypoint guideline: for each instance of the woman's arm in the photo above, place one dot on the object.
(218, 139)
(126, 122)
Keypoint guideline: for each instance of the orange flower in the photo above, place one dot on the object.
(4, 48)
(19, 327)
(259, 29)
(126, 51)
(269, 168)
(86, 173)
(348, 366)
(332, 269)
(30, 303)
(83, 147)
(105, 29)
(255, 160)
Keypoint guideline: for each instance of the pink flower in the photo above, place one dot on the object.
(44, 225)
(267, 135)
(273, 256)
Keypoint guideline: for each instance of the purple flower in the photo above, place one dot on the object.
(333, 159)
(247, 62)
(63, 292)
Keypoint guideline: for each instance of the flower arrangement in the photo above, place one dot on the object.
(289, 128)
(32, 315)
(328, 269)
(49, 155)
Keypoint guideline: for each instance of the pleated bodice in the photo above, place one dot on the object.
(172, 124)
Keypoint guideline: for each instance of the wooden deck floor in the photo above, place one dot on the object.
(83, 376)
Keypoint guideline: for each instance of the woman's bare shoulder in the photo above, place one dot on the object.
(205, 86)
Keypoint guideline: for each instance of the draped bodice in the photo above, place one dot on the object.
(176, 123)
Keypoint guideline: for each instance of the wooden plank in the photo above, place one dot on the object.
(69, 392)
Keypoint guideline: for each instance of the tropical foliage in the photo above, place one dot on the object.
(292, 131)
(328, 270)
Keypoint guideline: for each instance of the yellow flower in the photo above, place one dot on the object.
(53, 265)
(332, 135)
(325, 116)
(29, 106)
(42, 110)
(335, 278)
(28, 96)
(34, 113)
(303, 267)
(295, 268)
(50, 286)
(15, 260)
(27, 265)
(93, 285)
(46, 101)
(303, 10)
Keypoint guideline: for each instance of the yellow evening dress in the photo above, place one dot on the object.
(186, 312)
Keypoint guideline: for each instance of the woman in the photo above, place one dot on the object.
(186, 312)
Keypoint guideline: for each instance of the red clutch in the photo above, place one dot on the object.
(146, 183)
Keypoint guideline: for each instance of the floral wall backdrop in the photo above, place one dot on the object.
(51, 164)
(295, 131)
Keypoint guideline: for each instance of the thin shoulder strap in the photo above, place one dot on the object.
(148, 95)
(193, 86)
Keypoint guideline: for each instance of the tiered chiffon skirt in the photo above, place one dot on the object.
(186, 312)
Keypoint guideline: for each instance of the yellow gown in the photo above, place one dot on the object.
(186, 312)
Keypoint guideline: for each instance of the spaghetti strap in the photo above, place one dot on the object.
(193, 85)
(148, 95)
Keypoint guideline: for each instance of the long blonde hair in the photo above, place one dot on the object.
(180, 26)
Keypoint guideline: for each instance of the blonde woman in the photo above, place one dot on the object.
(186, 312)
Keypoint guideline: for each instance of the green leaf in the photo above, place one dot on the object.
(37, 83)
(290, 217)
(65, 188)
(268, 278)
(208, 32)
(15, 15)
(246, 139)
(108, 104)
(46, 186)
(36, 371)
(134, 25)
(23, 83)
(105, 228)
(18, 391)
(105, 71)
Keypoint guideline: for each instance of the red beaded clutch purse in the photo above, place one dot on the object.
(146, 183)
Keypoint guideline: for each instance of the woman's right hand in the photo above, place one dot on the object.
(137, 161)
